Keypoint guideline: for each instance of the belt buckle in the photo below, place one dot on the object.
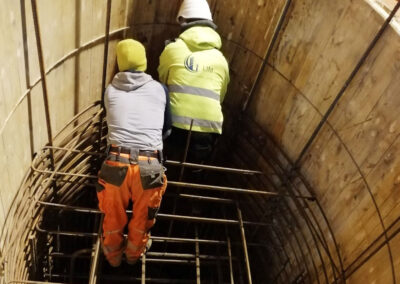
(133, 156)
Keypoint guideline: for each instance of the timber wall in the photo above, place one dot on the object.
(352, 166)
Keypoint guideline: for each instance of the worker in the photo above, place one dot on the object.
(138, 114)
(197, 76)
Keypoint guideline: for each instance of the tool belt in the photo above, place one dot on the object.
(113, 153)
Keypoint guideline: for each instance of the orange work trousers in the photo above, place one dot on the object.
(119, 181)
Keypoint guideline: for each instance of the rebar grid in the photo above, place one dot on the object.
(79, 152)
(77, 177)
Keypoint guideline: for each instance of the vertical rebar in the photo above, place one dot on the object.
(95, 255)
(105, 61)
(270, 48)
(243, 235)
(198, 279)
(43, 77)
(143, 281)
(72, 263)
(27, 72)
(32, 243)
(228, 239)
(181, 176)
(353, 74)
(105, 56)
(186, 151)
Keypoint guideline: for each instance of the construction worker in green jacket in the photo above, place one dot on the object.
(197, 76)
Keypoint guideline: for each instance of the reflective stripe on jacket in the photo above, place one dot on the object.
(197, 75)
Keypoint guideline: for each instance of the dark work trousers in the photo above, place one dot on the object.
(200, 149)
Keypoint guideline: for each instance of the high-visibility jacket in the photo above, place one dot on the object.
(197, 75)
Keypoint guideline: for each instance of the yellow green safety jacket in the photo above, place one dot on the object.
(197, 75)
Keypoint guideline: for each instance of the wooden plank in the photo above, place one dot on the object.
(370, 122)
(144, 12)
(249, 24)
(230, 17)
(385, 183)
(87, 33)
(13, 81)
(396, 255)
(5, 182)
(376, 270)
(286, 108)
(61, 87)
(15, 154)
(51, 28)
(228, 49)
(34, 71)
(118, 13)
(321, 44)
(38, 118)
(256, 158)
(342, 194)
(166, 11)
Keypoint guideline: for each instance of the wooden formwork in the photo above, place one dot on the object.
(314, 85)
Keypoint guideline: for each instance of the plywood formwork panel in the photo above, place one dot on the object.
(57, 29)
(96, 71)
(228, 49)
(144, 11)
(245, 65)
(230, 17)
(321, 44)
(247, 23)
(12, 65)
(4, 182)
(38, 118)
(283, 112)
(61, 89)
(153, 38)
(119, 12)
(87, 17)
(166, 11)
(257, 154)
(31, 51)
(396, 256)
(16, 153)
(376, 270)
(83, 72)
(243, 71)
(367, 117)
(342, 193)
(385, 184)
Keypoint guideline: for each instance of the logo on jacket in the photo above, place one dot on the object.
(190, 65)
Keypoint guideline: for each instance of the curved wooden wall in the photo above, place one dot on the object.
(72, 34)
(280, 91)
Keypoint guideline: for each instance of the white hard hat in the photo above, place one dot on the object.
(194, 9)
